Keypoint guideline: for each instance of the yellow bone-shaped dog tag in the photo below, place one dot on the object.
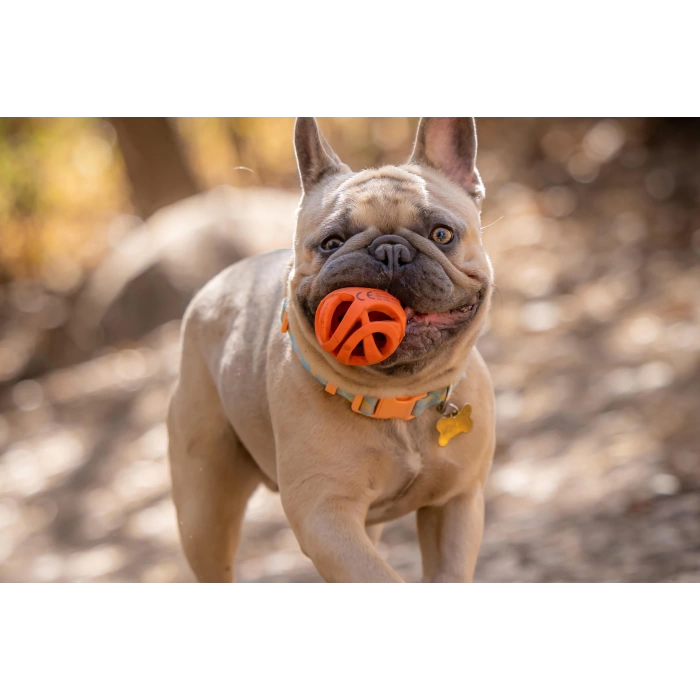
(451, 426)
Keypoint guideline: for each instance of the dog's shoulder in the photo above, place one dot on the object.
(243, 298)
(253, 282)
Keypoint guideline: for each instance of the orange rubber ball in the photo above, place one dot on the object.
(360, 326)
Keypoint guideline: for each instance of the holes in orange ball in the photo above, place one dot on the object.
(360, 326)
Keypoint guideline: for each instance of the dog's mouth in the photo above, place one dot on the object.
(426, 332)
(442, 321)
(417, 321)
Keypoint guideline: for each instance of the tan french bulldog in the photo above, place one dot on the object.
(348, 447)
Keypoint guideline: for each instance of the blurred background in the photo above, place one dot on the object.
(109, 226)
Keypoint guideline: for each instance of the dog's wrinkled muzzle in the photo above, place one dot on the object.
(360, 326)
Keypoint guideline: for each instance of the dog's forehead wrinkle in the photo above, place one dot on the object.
(338, 221)
(385, 171)
(391, 197)
(385, 203)
(388, 177)
(388, 198)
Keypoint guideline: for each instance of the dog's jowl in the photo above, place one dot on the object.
(343, 373)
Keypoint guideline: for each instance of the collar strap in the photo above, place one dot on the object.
(405, 407)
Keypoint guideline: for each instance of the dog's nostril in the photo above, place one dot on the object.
(393, 251)
(399, 252)
(404, 254)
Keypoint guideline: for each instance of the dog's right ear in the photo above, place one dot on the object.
(315, 158)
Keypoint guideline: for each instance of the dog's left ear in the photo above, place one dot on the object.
(449, 145)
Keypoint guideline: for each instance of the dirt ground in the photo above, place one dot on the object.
(594, 347)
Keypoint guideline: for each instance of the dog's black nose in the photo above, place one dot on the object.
(393, 251)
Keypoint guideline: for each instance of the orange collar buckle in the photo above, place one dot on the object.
(401, 407)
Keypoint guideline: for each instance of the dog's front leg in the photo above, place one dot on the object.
(331, 532)
(450, 537)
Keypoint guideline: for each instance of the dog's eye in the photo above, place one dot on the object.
(441, 235)
(332, 243)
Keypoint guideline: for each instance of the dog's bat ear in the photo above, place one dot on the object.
(315, 158)
(449, 145)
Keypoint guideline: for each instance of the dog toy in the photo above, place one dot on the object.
(360, 326)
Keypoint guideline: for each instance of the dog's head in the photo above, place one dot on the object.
(412, 230)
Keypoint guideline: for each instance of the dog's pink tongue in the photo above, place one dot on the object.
(425, 319)
(443, 320)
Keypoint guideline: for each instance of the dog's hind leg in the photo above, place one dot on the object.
(213, 476)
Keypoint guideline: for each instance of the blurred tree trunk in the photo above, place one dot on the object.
(155, 162)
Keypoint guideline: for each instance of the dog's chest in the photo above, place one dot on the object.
(412, 478)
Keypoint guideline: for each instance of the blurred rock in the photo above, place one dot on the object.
(157, 267)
